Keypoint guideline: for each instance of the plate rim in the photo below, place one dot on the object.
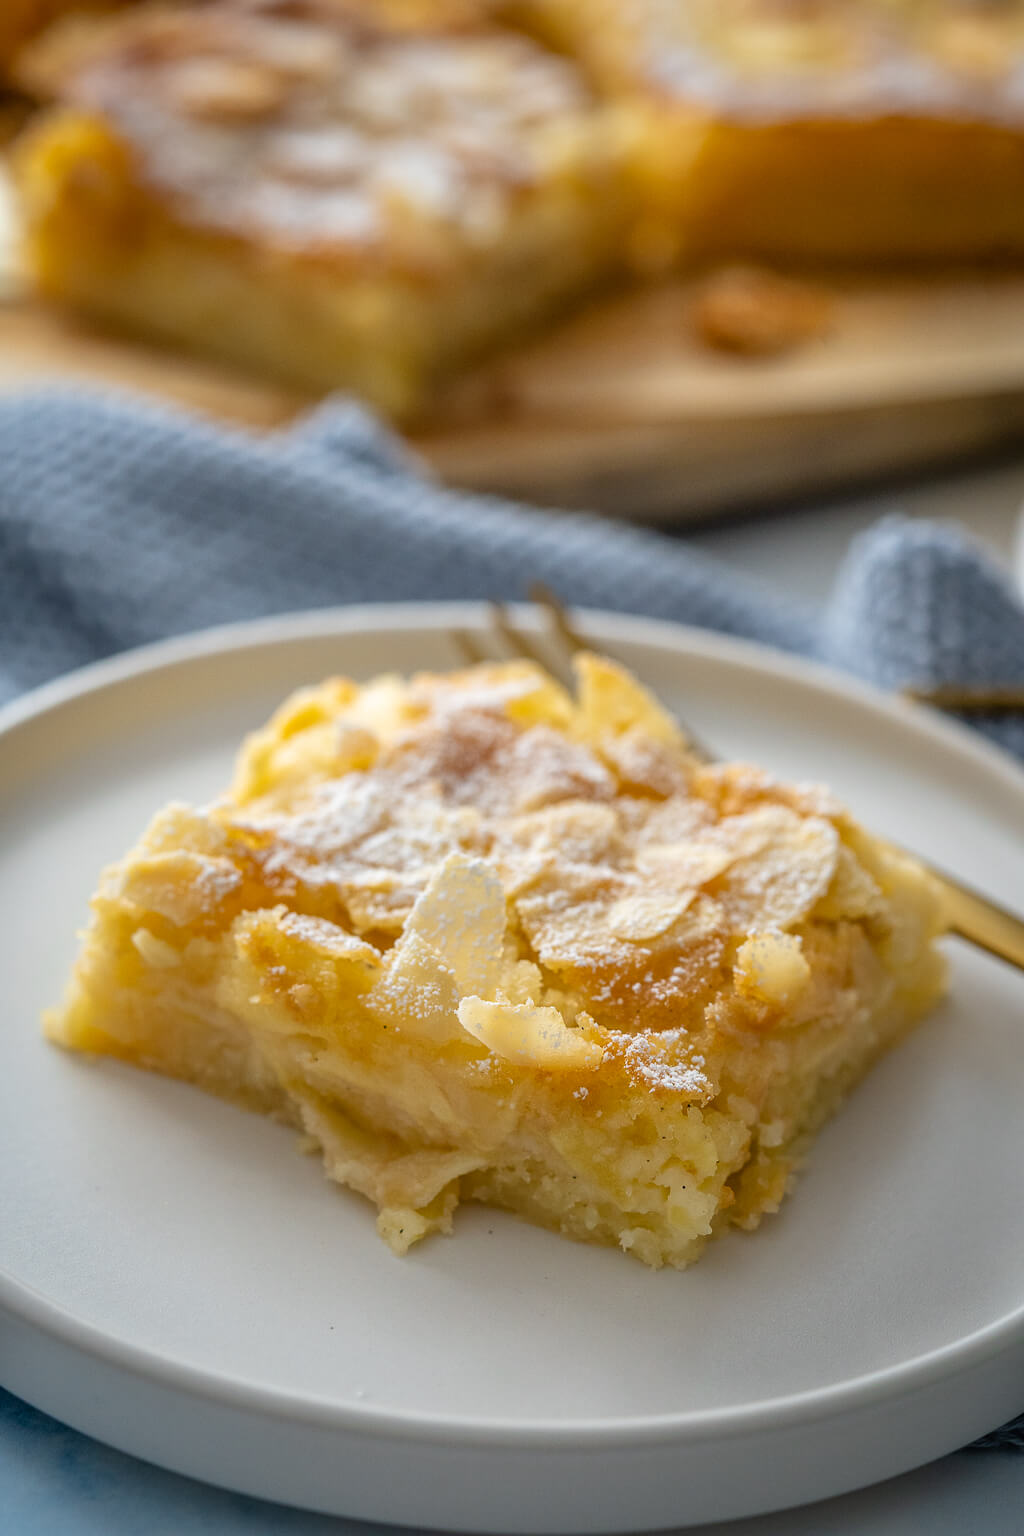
(27, 1305)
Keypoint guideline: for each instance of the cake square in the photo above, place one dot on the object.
(481, 939)
(814, 129)
(338, 194)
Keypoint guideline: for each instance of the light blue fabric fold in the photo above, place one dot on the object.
(123, 522)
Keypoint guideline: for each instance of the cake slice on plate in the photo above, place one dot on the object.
(482, 940)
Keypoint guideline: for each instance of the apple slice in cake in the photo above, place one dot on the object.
(483, 940)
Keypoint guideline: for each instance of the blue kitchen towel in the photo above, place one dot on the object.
(122, 522)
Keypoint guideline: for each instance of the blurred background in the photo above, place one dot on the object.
(672, 263)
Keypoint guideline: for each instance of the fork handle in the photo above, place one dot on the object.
(982, 922)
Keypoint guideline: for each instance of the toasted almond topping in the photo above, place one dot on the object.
(636, 918)
(687, 864)
(779, 882)
(181, 886)
(461, 917)
(529, 1036)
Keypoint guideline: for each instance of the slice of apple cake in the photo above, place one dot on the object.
(484, 940)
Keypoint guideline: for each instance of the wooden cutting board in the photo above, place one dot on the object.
(625, 411)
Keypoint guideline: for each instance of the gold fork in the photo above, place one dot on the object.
(970, 915)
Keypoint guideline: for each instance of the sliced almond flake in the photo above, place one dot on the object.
(292, 950)
(737, 787)
(853, 892)
(645, 916)
(518, 690)
(461, 917)
(813, 799)
(416, 987)
(685, 864)
(577, 832)
(745, 834)
(780, 883)
(529, 1036)
(485, 760)
(704, 858)
(182, 886)
(326, 937)
(382, 910)
(682, 819)
(224, 90)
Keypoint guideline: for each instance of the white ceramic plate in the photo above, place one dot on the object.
(175, 1280)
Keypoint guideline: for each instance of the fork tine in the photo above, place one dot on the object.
(468, 647)
(514, 638)
(558, 618)
(521, 643)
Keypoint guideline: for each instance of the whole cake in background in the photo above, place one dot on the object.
(481, 939)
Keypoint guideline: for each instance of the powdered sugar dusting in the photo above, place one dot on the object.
(213, 879)
(608, 895)
(321, 934)
(656, 1061)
